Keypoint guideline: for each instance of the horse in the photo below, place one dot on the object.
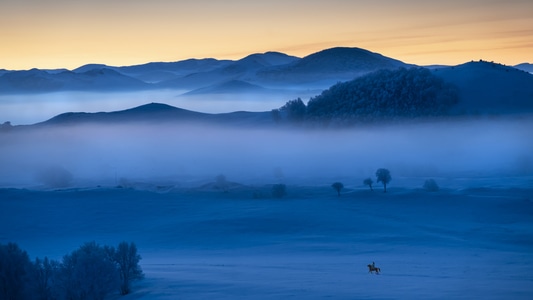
(372, 268)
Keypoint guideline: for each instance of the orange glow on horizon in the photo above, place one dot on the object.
(68, 34)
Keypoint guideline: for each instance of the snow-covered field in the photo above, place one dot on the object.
(472, 239)
(202, 243)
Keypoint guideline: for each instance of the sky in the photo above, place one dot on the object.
(70, 33)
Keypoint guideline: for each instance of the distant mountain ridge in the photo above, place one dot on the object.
(269, 69)
(38, 81)
(483, 87)
(525, 67)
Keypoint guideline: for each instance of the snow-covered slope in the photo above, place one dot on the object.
(204, 243)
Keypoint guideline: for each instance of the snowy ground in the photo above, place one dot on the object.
(460, 243)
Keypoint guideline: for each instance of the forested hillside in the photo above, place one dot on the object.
(383, 95)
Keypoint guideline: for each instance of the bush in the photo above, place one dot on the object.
(430, 185)
(221, 183)
(279, 190)
(55, 177)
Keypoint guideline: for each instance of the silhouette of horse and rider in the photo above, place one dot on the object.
(373, 268)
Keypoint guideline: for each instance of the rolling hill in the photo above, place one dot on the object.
(525, 67)
(329, 66)
(40, 81)
(489, 88)
(156, 113)
(244, 69)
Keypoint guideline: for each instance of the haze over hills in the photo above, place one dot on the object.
(483, 88)
(159, 113)
(230, 87)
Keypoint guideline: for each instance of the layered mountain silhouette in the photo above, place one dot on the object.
(267, 70)
(525, 67)
(329, 66)
(96, 79)
(482, 87)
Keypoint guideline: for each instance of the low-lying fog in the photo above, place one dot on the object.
(24, 109)
(181, 154)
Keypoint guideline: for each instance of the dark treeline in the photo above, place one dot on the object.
(90, 272)
(380, 96)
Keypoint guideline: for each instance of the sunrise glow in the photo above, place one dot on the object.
(67, 34)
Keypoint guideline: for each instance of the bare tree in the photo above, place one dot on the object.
(127, 259)
(338, 186)
(383, 176)
(45, 271)
(88, 273)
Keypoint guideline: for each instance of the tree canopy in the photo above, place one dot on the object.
(382, 95)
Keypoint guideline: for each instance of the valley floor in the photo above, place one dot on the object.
(207, 244)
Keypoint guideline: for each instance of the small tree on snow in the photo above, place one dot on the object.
(383, 176)
(338, 186)
(279, 190)
(431, 185)
(369, 182)
(221, 183)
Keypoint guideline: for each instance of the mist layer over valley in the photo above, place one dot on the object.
(175, 154)
(157, 185)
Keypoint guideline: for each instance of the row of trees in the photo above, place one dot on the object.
(90, 272)
(382, 175)
(382, 95)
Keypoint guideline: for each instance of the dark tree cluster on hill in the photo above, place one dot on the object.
(90, 272)
(293, 111)
(386, 94)
(382, 95)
